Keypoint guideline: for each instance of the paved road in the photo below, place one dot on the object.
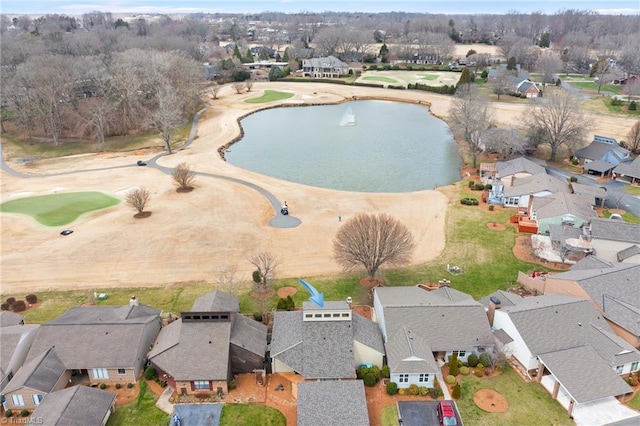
(278, 221)
(616, 197)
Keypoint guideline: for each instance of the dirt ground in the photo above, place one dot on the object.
(193, 236)
(491, 401)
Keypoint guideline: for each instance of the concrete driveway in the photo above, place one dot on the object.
(197, 414)
(421, 413)
(604, 412)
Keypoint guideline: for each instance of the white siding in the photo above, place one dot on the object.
(522, 353)
(377, 306)
(280, 367)
(413, 379)
(365, 355)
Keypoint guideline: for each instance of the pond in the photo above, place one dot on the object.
(363, 146)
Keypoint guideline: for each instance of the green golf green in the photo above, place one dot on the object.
(429, 76)
(269, 96)
(59, 209)
(380, 78)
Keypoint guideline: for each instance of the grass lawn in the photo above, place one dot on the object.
(380, 78)
(632, 189)
(59, 209)
(269, 96)
(591, 86)
(529, 403)
(251, 414)
(429, 76)
(141, 411)
(628, 217)
(635, 402)
(389, 415)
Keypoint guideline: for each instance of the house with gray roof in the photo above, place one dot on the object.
(332, 403)
(553, 334)
(16, 338)
(615, 240)
(421, 326)
(204, 348)
(528, 88)
(522, 190)
(101, 343)
(602, 155)
(506, 172)
(35, 379)
(561, 208)
(611, 287)
(327, 342)
(326, 67)
(76, 406)
(629, 172)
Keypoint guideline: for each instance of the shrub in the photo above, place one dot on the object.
(413, 389)
(573, 179)
(471, 184)
(433, 393)
(4, 307)
(402, 391)
(479, 187)
(423, 391)
(455, 392)
(464, 371)
(375, 370)
(256, 276)
(118, 386)
(257, 316)
(32, 298)
(634, 381)
(491, 207)
(392, 388)
(453, 364)
(633, 106)
(488, 186)
(162, 383)
(103, 385)
(472, 360)
(149, 373)
(450, 379)
(233, 384)
(8, 413)
(479, 370)
(436, 383)
(369, 379)
(385, 371)
(440, 392)
(485, 359)
(24, 413)
(129, 385)
(19, 306)
(11, 301)
(616, 102)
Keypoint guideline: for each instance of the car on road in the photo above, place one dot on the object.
(446, 413)
(66, 232)
(141, 163)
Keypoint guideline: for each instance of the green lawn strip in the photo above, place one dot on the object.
(429, 76)
(379, 78)
(635, 402)
(628, 217)
(632, 190)
(250, 415)
(269, 96)
(591, 86)
(59, 209)
(529, 403)
(141, 411)
(389, 415)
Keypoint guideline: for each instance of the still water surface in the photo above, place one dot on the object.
(391, 146)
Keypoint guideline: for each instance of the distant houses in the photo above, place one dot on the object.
(602, 156)
(325, 67)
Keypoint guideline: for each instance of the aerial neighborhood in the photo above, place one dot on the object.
(152, 273)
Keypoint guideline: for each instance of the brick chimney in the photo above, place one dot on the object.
(494, 303)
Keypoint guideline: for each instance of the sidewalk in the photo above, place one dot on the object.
(163, 401)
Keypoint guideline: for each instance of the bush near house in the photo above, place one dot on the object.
(149, 373)
(450, 379)
(485, 359)
(455, 392)
(8, 413)
(32, 298)
(453, 365)
(479, 370)
(385, 371)
(424, 391)
(392, 388)
(24, 413)
(413, 389)
(464, 371)
(469, 201)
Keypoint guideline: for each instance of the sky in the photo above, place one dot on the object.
(77, 7)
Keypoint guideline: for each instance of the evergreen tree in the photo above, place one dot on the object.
(453, 364)
(264, 55)
(285, 56)
(455, 392)
(248, 57)
(511, 64)
(384, 54)
(545, 40)
(465, 78)
(236, 53)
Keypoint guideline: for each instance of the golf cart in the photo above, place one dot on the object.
(285, 209)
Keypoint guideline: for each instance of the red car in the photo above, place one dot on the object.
(446, 414)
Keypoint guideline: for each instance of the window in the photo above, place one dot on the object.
(423, 378)
(122, 371)
(201, 384)
(461, 354)
(403, 378)
(619, 369)
(37, 399)
(17, 400)
(634, 366)
(100, 373)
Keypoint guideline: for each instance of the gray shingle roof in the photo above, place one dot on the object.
(520, 165)
(332, 403)
(98, 336)
(502, 336)
(446, 319)
(41, 373)
(408, 352)
(599, 166)
(75, 406)
(193, 350)
(629, 169)
(10, 338)
(216, 301)
(561, 203)
(591, 191)
(506, 298)
(555, 322)
(598, 150)
(591, 262)
(249, 334)
(622, 313)
(630, 251)
(534, 184)
(321, 349)
(615, 230)
(325, 62)
(570, 373)
(8, 318)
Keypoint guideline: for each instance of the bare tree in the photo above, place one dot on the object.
(227, 277)
(371, 241)
(506, 142)
(238, 86)
(138, 199)
(168, 114)
(503, 84)
(96, 114)
(599, 71)
(265, 264)
(633, 138)
(549, 63)
(184, 177)
(632, 89)
(214, 89)
(559, 121)
(248, 83)
(470, 115)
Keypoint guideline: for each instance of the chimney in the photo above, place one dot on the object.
(133, 301)
(494, 303)
(350, 301)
